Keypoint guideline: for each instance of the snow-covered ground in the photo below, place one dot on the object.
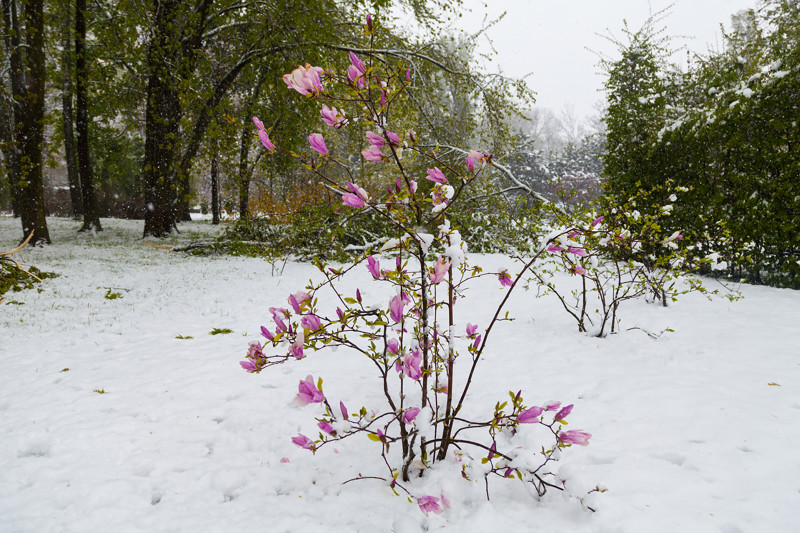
(696, 431)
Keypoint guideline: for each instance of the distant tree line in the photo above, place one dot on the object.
(148, 104)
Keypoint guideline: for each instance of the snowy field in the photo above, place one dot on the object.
(697, 431)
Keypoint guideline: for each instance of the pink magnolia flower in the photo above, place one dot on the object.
(304, 442)
(410, 414)
(308, 392)
(317, 142)
(674, 236)
(439, 270)
(305, 80)
(408, 75)
(393, 346)
(296, 348)
(343, 409)
(445, 501)
(393, 138)
(472, 329)
(505, 278)
(254, 350)
(311, 322)
(356, 71)
(357, 198)
(327, 428)
(530, 415)
(580, 252)
(429, 504)
(284, 459)
(562, 414)
(249, 365)
(278, 314)
(412, 186)
(352, 200)
(332, 117)
(577, 269)
(374, 267)
(552, 406)
(436, 175)
(373, 153)
(355, 77)
(265, 140)
(267, 334)
(375, 140)
(297, 300)
(554, 248)
(262, 135)
(473, 156)
(396, 308)
(573, 234)
(356, 62)
(581, 438)
(411, 364)
(477, 343)
(597, 221)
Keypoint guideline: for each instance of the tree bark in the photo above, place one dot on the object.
(171, 59)
(7, 139)
(162, 114)
(191, 44)
(244, 176)
(27, 88)
(7, 147)
(214, 190)
(91, 218)
(67, 115)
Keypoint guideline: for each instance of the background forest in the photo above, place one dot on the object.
(142, 109)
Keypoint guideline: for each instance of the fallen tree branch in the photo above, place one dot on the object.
(6, 257)
(199, 245)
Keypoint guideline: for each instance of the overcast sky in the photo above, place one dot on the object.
(549, 39)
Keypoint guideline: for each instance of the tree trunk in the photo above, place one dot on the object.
(244, 176)
(171, 58)
(214, 190)
(191, 43)
(67, 118)
(7, 147)
(27, 87)
(91, 218)
(7, 139)
(162, 114)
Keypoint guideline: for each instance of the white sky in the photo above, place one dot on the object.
(549, 39)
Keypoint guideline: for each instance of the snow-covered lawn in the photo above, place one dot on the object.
(696, 431)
